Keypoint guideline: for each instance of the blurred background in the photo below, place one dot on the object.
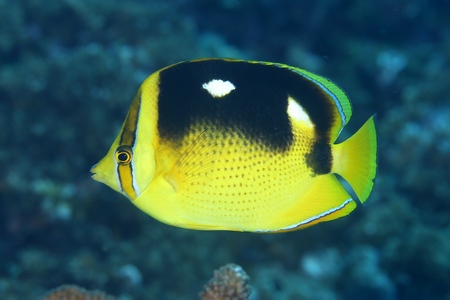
(68, 72)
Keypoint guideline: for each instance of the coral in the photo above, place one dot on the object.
(230, 282)
(73, 292)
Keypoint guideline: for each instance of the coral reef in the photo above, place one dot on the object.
(230, 282)
(73, 292)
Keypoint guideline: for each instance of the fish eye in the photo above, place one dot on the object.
(124, 155)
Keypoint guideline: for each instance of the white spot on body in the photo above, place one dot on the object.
(336, 100)
(296, 112)
(218, 88)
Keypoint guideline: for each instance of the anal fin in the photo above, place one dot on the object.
(326, 200)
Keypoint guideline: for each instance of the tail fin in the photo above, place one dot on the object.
(356, 159)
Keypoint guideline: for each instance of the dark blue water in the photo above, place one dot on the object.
(68, 73)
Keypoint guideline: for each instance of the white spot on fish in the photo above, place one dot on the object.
(218, 88)
(296, 112)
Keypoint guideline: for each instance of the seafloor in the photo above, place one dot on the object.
(68, 72)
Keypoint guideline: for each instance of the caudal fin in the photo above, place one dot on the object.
(356, 159)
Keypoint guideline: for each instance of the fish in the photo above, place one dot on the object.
(239, 145)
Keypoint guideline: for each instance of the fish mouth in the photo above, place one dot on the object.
(93, 172)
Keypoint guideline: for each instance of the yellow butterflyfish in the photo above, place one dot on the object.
(223, 144)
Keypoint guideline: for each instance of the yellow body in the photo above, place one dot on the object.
(220, 172)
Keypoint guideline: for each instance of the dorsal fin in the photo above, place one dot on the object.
(340, 100)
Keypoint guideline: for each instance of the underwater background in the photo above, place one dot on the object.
(69, 70)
